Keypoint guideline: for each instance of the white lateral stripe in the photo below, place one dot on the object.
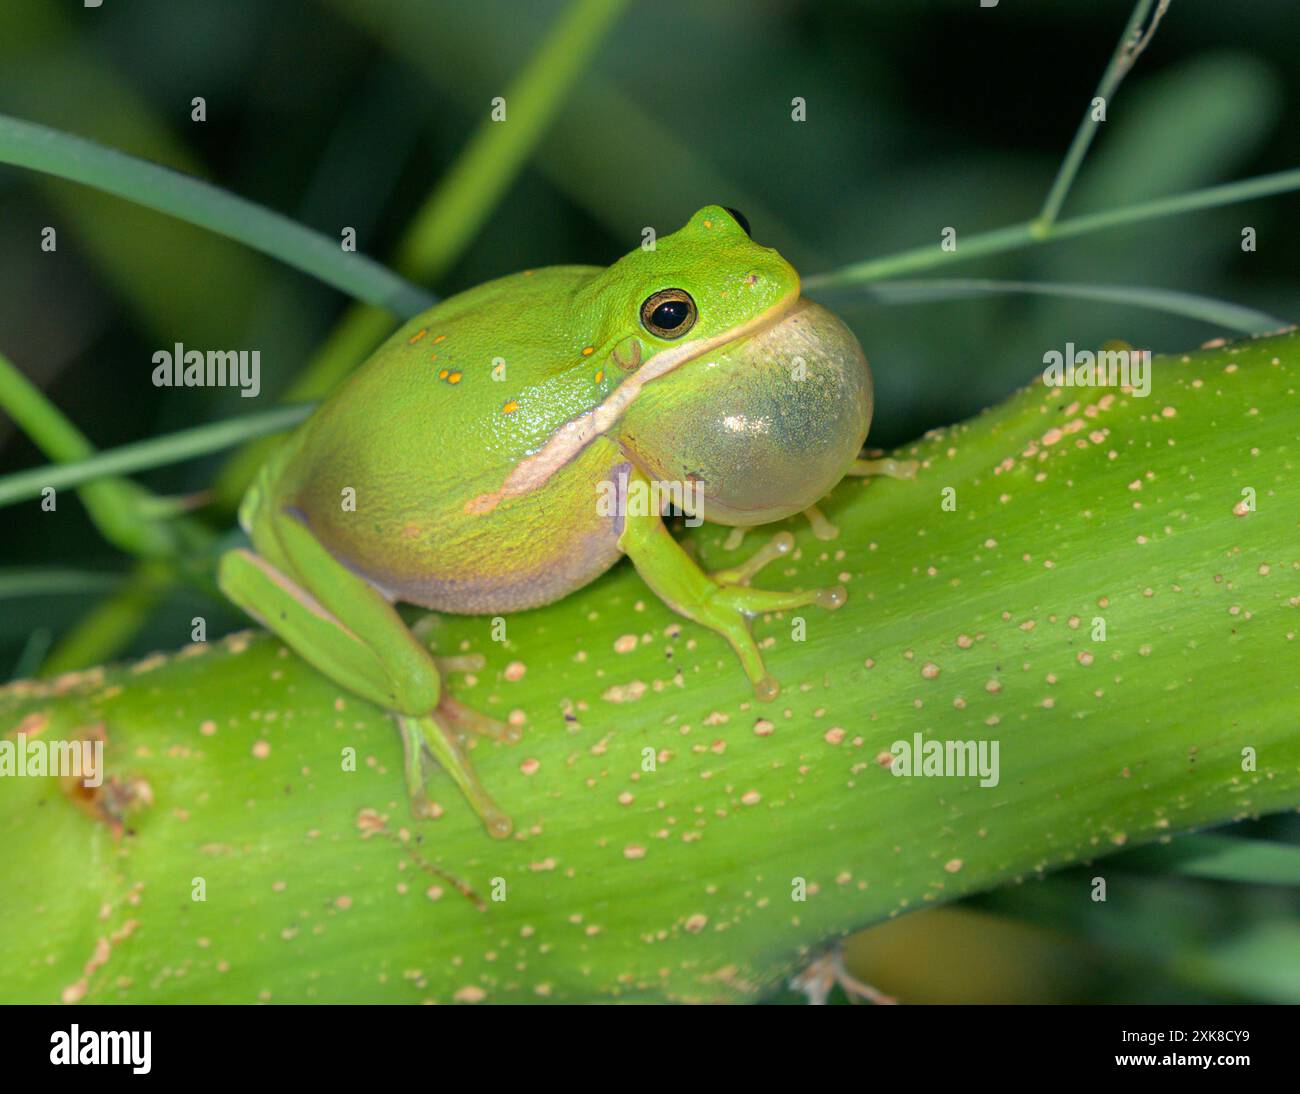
(574, 435)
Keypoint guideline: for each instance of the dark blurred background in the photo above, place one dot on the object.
(920, 115)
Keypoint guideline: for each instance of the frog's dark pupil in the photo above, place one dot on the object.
(670, 315)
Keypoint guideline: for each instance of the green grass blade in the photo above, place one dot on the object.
(156, 452)
(113, 504)
(40, 148)
(54, 581)
(50, 69)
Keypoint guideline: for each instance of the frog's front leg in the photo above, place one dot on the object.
(341, 625)
(720, 601)
(862, 467)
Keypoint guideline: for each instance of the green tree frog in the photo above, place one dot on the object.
(461, 468)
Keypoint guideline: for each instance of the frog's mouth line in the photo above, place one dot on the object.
(573, 436)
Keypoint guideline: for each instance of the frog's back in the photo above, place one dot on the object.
(385, 469)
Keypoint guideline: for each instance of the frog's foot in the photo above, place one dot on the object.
(827, 971)
(413, 762)
(890, 469)
(728, 604)
(818, 523)
(760, 600)
(722, 601)
(778, 546)
(465, 720)
(431, 733)
(728, 611)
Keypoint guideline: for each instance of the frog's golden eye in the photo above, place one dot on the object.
(669, 313)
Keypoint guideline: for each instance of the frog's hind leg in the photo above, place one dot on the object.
(340, 623)
(427, 731)
(303, 624)
(721, 601)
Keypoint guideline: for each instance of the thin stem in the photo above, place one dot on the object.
(1013, 237)
(1131, 44)
(40, 148)
(41, 581)
(1229, 193)
(1219, 313)
(156, 452)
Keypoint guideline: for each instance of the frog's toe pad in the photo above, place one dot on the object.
(751, 602)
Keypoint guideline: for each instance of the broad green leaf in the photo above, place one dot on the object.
(1171, 519)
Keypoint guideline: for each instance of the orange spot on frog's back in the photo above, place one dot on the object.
(510, 407)
(417, 336)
